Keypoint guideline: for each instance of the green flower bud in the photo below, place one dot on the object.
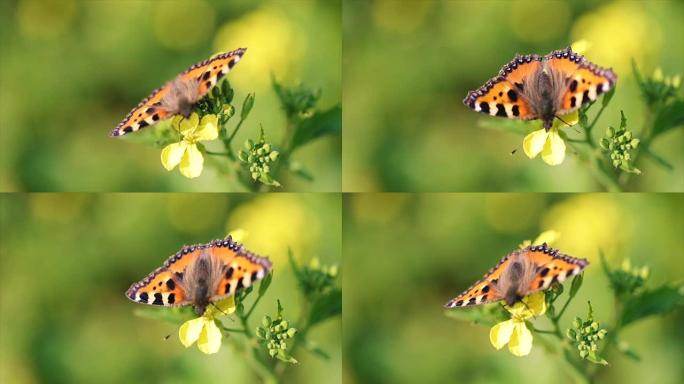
(634, 143)
(610, 132)
(291, 332)
(272, 352)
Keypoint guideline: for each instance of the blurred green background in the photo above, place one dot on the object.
(412, 253)
(408, 65)
(71, 70)
(67, 259)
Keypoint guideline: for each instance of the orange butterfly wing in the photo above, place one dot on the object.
(551, 267)
(164, 285)
(207, 73)
(482, 291)
(586, 81)
(500, 95)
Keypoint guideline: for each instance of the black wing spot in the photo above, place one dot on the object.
(520, 86)
(227, 288)
(585, 97)
(573, 86)
(484, 107)
(172, 298)
(501, 111)
(143, 124)
(573, 100)
(206, 75)
(541, 284)
(170, 284)
(471, 301)
(544, 272)
(128, 129)
(515, 110)
(158, 299)
(459, 303)
(512, 95)
(143, 297)
(229, 273)
(485, 289)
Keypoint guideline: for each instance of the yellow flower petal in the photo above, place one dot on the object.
(554, 148)
(187, 126)
(534, 143)
(208, 128)
(210, 338)
(192, 162)
(172, 154)
(521, 340)
(548, 237)
(221, 307)
(536, 303)
(571, 119)
(500, 334)
(190, 331)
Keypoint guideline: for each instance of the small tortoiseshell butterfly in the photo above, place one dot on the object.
(533, 87)
(519, 274)
(201, 274)
(179, 95)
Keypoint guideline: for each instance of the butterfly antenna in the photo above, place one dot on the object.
(559, 118)
(219, 309)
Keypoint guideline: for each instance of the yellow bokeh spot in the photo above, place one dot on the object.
(588, 223)
(275, 223)
(619, 32)
(182, 25)
(273, 45)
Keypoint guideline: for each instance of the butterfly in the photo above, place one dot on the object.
(179, 95)
(519, 274)
(201, 274)
(533, 87)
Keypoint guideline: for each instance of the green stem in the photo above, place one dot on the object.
(217, 153)
(256, 301)
(235, 131)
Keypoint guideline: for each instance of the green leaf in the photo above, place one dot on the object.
(293, 264)
(265, 283)
(247, 106)
(320, 124)
(325, 306)
(227, 92)
(174, 316)
(657, 301)
(576, 284)
(670, 116)
(607, 97)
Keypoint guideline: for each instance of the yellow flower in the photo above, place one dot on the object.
(204, 330)
(514, 332)
(185, 152)
(549, 143)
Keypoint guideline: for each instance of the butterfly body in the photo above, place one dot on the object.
(534, 87)
(519, 274)
(199, 275)
(179, 96)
